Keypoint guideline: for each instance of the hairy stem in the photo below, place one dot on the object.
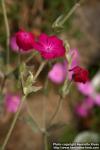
(62, 19)
(60, 101)
(7, 30)
(45, 141)
(70, 13)
(31, 115)
(13, 124)
(56, 111)
(40, 69)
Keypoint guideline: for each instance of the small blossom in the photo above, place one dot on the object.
(80, 74)
(50, 46)
(58, 73)
(25, 40)
(86, 89)
(84, 109)
(13, 44)
(12, 102)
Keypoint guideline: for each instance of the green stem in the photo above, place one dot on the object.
(40, 69)
(62, 19)
(13, 124)
(29, 58)
(45, 141)
(31, 115)
(56, 111)
(61, 98)
(7, 30)
(69, 14)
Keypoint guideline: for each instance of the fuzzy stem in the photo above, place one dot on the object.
(69, 14)
(45, 141)
(62, 19)
(61, 99)
(31, 115)
(7, 30)
(13, 124)
(57, 110)
(40, 69)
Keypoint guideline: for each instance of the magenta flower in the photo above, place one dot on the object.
(12, 102)
(86, 89)
(50, 46)
(80, 74)
(25, 40)
(84, 109)
(13, 44)
(58, 73)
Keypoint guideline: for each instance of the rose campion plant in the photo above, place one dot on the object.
(58, 73)
(25, 40)
(86, 89)
(50, 47)
(80, 74)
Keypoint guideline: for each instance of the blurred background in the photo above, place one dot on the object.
(82, 31)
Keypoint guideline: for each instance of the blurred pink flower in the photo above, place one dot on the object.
(25, 40)
(84, 109)
(12, 102)
(97, 99)
(13, 44)
(58, 73)
(86, 89)
(81, 111)
(50, 46)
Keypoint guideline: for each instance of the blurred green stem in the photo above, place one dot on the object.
(66, 89)
(45, 136)
(31, 115)
(62, 19)
(13, 124)
(40, 69)
(69, 14)
(31, 56)
(45, 141)
(56, 111)
(19, 109)
(7, 31)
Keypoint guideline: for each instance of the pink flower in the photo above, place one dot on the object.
(86, 89)
(13, 44)
(80, 74)
(25, 40)
(97, 99)
(84, 109)
(50, 46)
(58, 73)
(12, 102)
(81, 111)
